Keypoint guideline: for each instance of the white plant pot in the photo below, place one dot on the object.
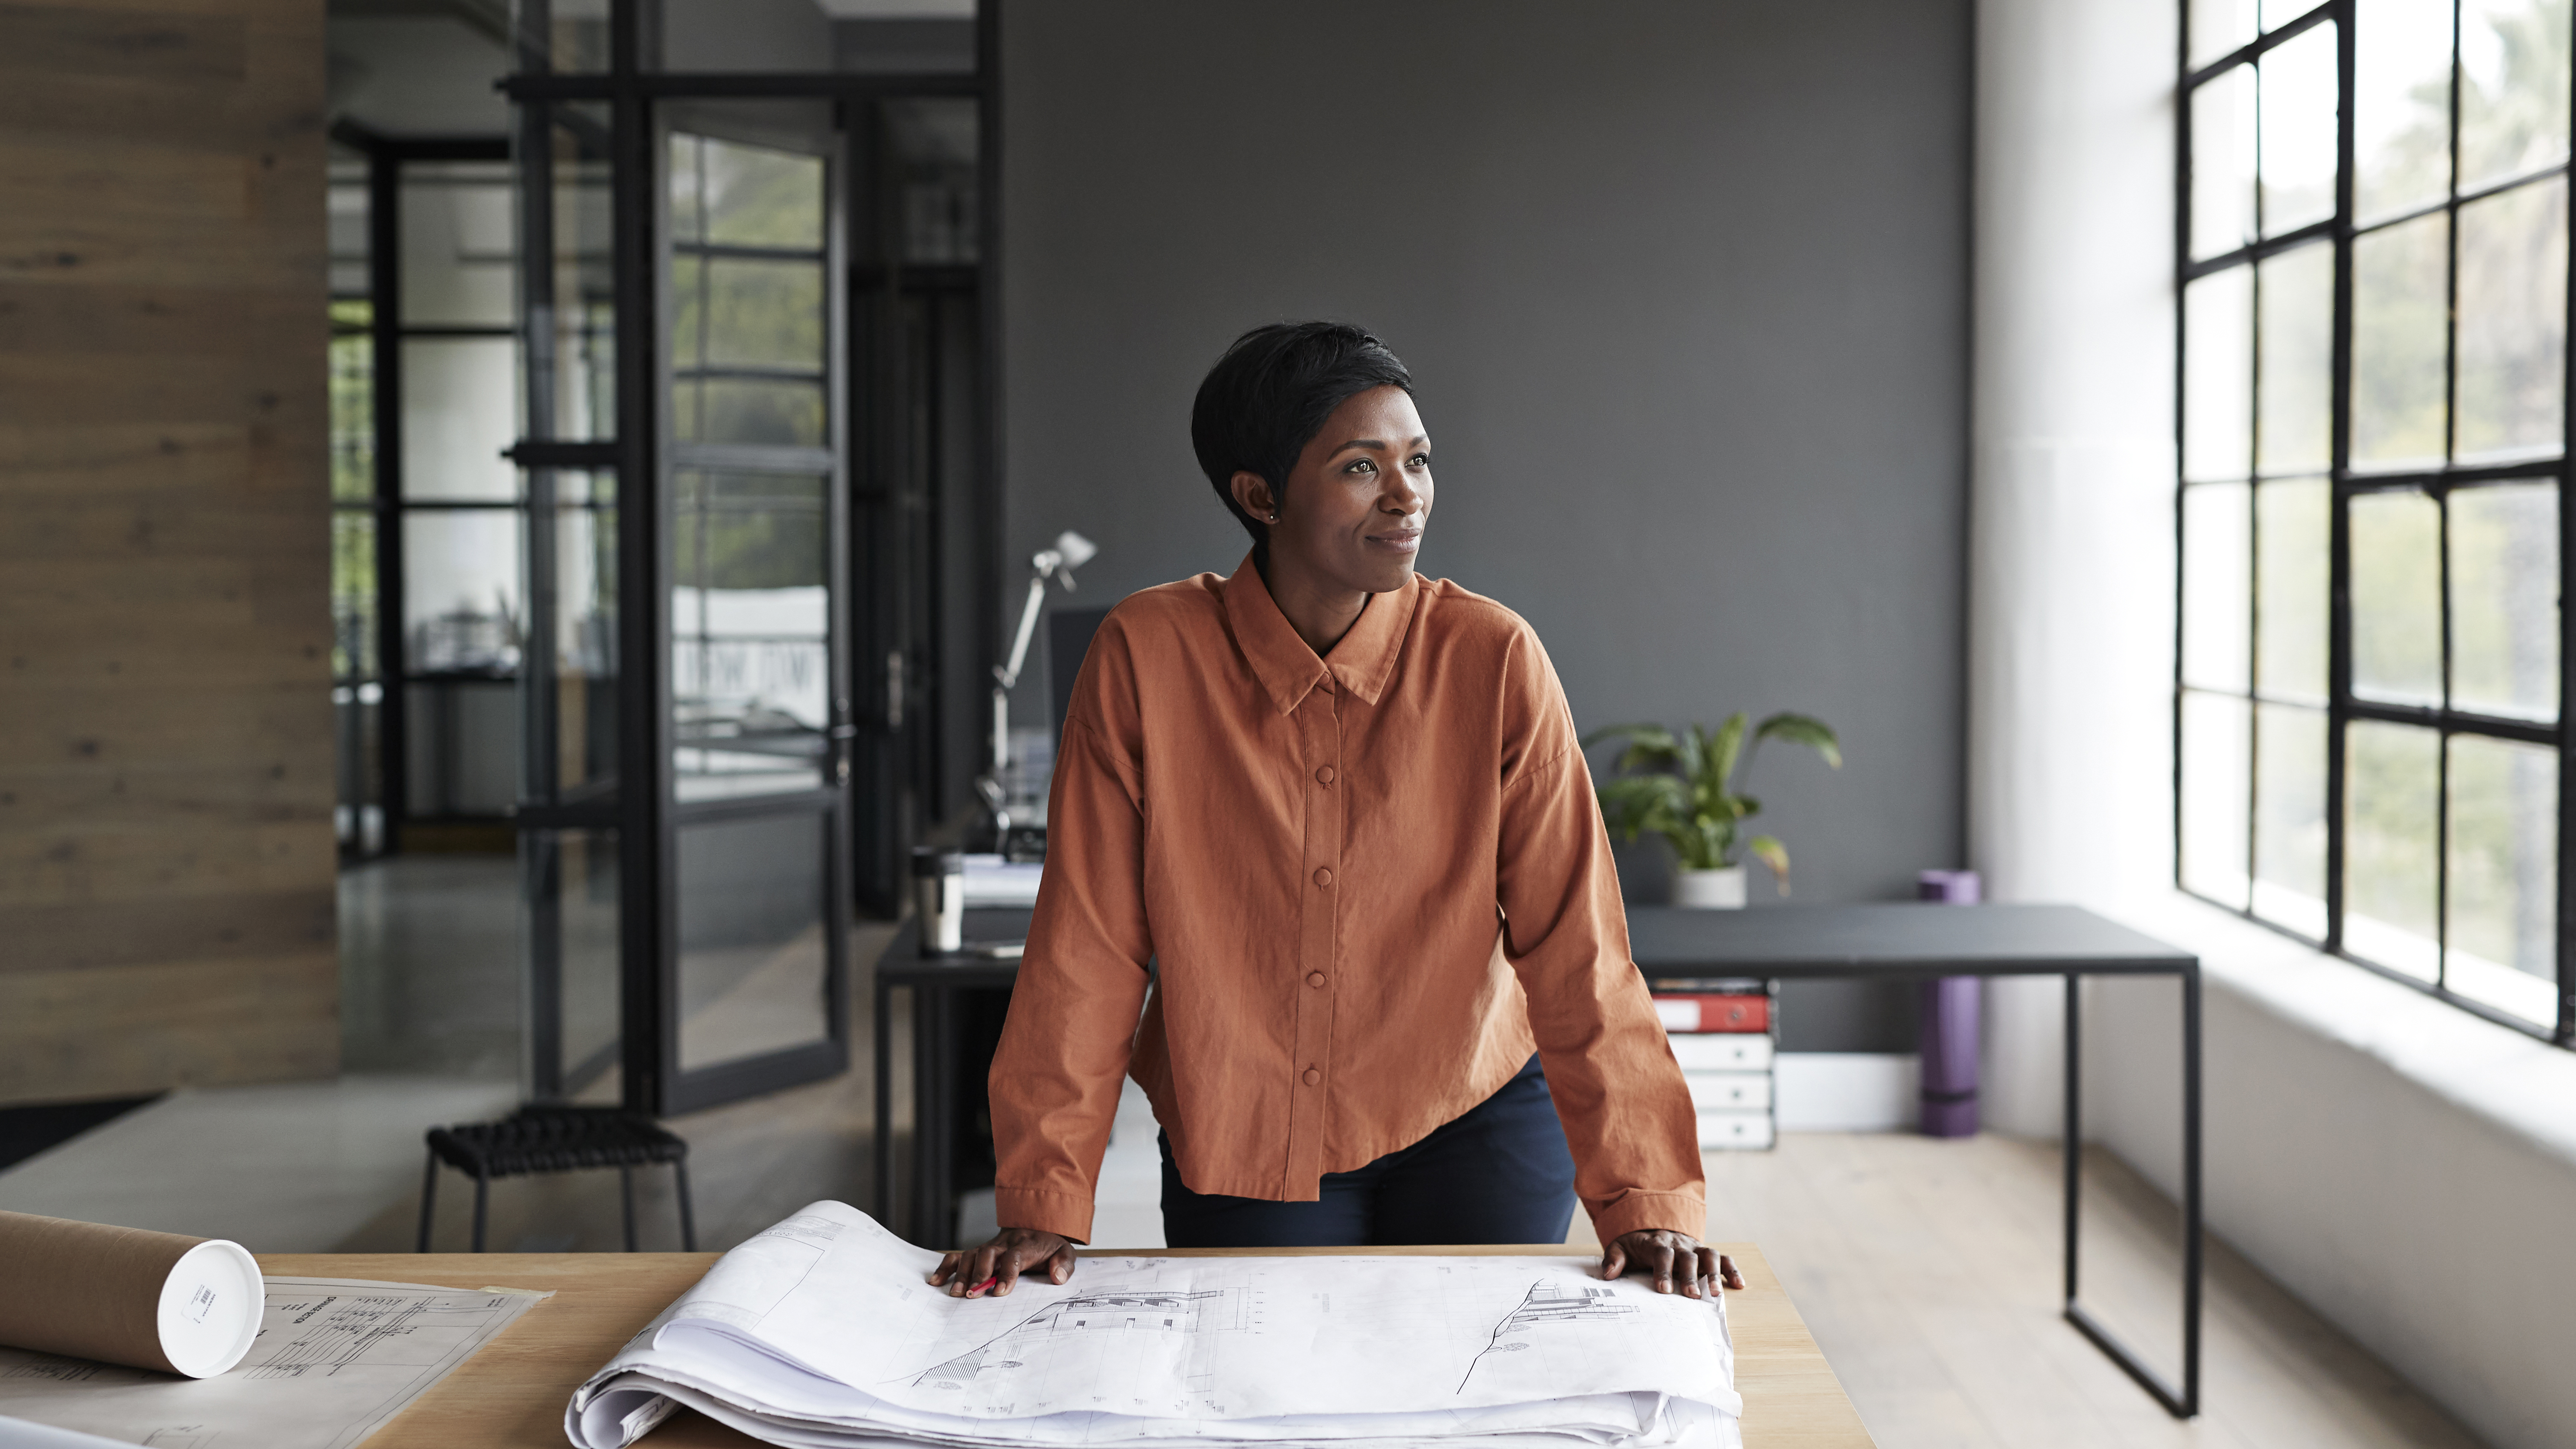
(1710, 890)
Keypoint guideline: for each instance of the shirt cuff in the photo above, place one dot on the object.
(1674, 1212)
(1061, 1213)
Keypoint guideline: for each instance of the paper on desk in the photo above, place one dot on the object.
(821, 1331)
(335, 1358)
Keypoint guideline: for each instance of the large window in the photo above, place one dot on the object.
(2373, 267)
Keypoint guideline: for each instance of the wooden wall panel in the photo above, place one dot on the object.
(166, 855)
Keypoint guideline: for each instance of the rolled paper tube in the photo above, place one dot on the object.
(158, 1301)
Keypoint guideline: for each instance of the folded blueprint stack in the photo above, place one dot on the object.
(821, 1333)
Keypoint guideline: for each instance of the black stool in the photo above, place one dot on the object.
(557, 1139)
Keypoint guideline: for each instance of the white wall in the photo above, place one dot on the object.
(2070, 648)
(2406, 1169)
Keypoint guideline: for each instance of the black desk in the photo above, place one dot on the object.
(1902, 942)
(1923, 942)
(935, 982)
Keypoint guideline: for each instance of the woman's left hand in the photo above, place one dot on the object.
(1676, 1261)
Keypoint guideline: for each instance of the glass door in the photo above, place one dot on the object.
(683, 817)
(753, 550)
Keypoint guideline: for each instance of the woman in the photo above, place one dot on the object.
(1324, 867)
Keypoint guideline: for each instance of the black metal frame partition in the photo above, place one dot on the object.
(2343, 706)
(640, 810)
(386, 156)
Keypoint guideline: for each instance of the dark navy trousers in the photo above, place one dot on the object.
(1498, 1174)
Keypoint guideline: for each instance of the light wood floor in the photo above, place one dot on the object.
(1928, 1271)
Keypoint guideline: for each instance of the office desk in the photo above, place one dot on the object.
(934, 982)
(512, 1394)
(1912, 941)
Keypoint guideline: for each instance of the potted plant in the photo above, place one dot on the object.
(1684, 791)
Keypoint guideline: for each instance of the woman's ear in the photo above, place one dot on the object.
(1253, 494)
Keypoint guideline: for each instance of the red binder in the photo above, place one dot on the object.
(1711, 1012)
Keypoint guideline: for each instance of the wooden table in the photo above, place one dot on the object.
(512, 1395)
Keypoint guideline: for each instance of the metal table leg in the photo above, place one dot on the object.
(2185, 1403)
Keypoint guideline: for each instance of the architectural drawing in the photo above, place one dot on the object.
(836, 1338)
(1548, 1303)
(1208, 1311)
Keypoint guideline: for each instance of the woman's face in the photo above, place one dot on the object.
(1358, 499)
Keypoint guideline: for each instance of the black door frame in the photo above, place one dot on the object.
(646, 818)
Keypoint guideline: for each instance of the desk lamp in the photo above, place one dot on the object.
(1056, 563)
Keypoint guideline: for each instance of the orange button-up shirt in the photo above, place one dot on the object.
(1320, 906)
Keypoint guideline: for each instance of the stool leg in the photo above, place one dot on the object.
(482, 1185)
(688, 1224)
(428, 1200)
(626, 1199)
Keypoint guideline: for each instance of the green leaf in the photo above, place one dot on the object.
(1800, 729)
(1772, 853)
(1729, 744)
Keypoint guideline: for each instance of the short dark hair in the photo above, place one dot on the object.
(1268, 396)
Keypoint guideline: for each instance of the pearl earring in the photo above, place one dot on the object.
(1274, 517)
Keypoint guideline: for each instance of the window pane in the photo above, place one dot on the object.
(2218, 375)
(2217, 586)
(2290, 528)
(2502, 920)
(582, 384)
(2397, 597)
(751, 629)
(2392, 788)
(2219, 26)
(347, 209)
(581, 614)
(2222, 163)
(2400, 303)
(2216, 735)
(2401, 106)
(2278, 13)
(461, 589)
(764, 314)
(2513, 321)
(2504, 600)
(353, 402)
(569, 883)
(748, 410)
(688, 311)
(353, 595)
(459, 245)
(2294, 379)
(2290, 818)
(756, 196)
(2513, 103)
(935, 143)
(2298, 131)
(460, 410)
(751, 919)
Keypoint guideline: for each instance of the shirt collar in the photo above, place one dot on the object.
(1288, 667)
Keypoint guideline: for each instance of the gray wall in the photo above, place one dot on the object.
(1684, 289)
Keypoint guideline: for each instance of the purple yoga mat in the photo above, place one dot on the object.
(1949, 1025)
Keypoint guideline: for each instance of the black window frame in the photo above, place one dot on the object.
(2343, 708)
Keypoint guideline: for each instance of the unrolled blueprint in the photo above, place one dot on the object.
(821, 1331)
(335, 1358)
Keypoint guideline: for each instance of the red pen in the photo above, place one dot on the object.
(987, 1283)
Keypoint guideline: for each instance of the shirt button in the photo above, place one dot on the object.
(1324, 773)
(1315, 978)
(1313, 1076)
(1324, 876)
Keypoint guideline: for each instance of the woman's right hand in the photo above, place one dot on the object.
(997, 1265)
